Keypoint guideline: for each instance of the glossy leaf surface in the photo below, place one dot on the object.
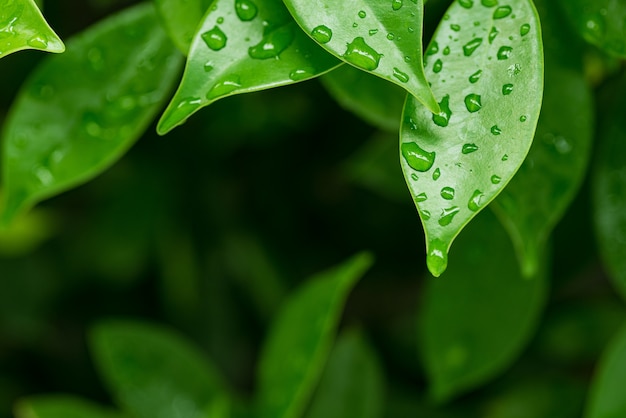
(352, 384)
(300, 340)
(61, 406)
(486, 64)
(240, 47)
(607, 399)
(80, 111)
(22, 26)
(371, 98)
(600, 22)
(154, 372)
(380, 37)
(536, 198)
(181, 18)
(476, 320)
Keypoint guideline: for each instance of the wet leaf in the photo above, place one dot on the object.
(381, 37)
(300, 340)
(62, 406)
(154, 372)
(606, 399)
(241, 47)
(476, 320)
(371, 98)
(181, 18)
(79, 112)
(22, 26)
(486, 63)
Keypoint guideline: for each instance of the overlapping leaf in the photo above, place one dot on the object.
(381, 37)
(181, 19)
(62, 406)
(80, 111)
(240, 47)
(485, 62)
(22, 26)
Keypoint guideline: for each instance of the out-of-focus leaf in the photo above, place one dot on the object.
(352, 384)
(383, 38)
(27, 233)
(369, 97)
(22, 26)
(155, 373)
(300, 340)
(241, 47)
(79, 112)
(62, 406)
(486, 64)
(476, 320)
(181, 19)
(606, 399)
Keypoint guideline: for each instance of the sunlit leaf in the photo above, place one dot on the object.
(62, 406)
(80, 111)
(486, 64)
(243, 46)
(181, 19)
(22, 26)
(476, 320)
(155, 373)
(300, 340)
(380, 37)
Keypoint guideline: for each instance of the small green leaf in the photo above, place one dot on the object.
(61, 406)
(381, 37)
(300, 340)
(155, 373)
(487, 66)
(181, 18)
(371, 98)
(79, 112)
(606, 399)
(476, 320)
(352, 382)
(22, 26)
(241, 47)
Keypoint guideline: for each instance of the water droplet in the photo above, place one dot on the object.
(466, 3)
(436, 174)
(455, 28)
(437, 258)
(214, 38)
(273, 43)
(505, 157)
(447, 215)
(489, 3)
(421, 197)
(492, 34)
(373, 32)
(471, 46)
(184, 108)
(446, 51)
(355, 25)
(224, 87)
(402, 77)
(425, 215)
(208, 66)
(475, 77)
(433, 48)
(473, 102)
(495, 130)
(496, 179)
(524, 29)
(442, 119)
(447, 193)
(322, 34)
(362, 55)
(507, 89)
(502, 12)
(38, 41)
(416, 157)
(475, 201)
(523, 118)
(390, 36)
(362, 14)
(246, 10)
(469, 148)
(396, 4)
(414, 177)
(504, 53)
(437, 66)
(301, 73)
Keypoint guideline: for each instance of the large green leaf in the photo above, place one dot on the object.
(79, 112)
(240, 47)
(23, 27)
(155, 373)
(606, 399)
(61, 406)
(381, 37)
(181, 19)
(536, 198)
(476, 320)
(486, 64)
(300, 340)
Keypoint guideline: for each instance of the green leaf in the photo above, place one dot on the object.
(535, 200)
(606, 399)
(241, 47)
(352, 384)
(22, 26)
(600, 22)
(154, 372)
(181, 18)
(79, 112)
(61, 406)
(371, 98)
(383, 38)
(486, 63)
(476, 320)
(300, 340)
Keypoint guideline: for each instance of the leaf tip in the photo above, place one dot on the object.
(437, 258)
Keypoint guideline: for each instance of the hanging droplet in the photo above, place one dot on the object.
(437, 258)
(416, 157)
(214, 38)
(322, 34)
(473, 102)
(362, 55)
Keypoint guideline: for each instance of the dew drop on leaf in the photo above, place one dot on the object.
(273, 43)
(362, 14)
(475, 77)
(489, 3)
(496, 179)
(502, 12)
(437, 66)
(442, 119)
(507, 89)
(471, 46)
(436, 174)
(523, 118)
(455, 28)
(214, 38)
(504, 52)
(38, 41)
(447, 215)
(396, 4)
(246, 10)
(400, 76)
(416, 157)
(447, 193)
(466, 3)
(414, 177)
(362, 55)
(446, 51)
(301, 74)
(475, 201)
(425, 215)
(473, 102)
(495, 130)
(224, 87)
(421, 197)
(322, 34)
(492, 34)
(469, 148)
(524, 29)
